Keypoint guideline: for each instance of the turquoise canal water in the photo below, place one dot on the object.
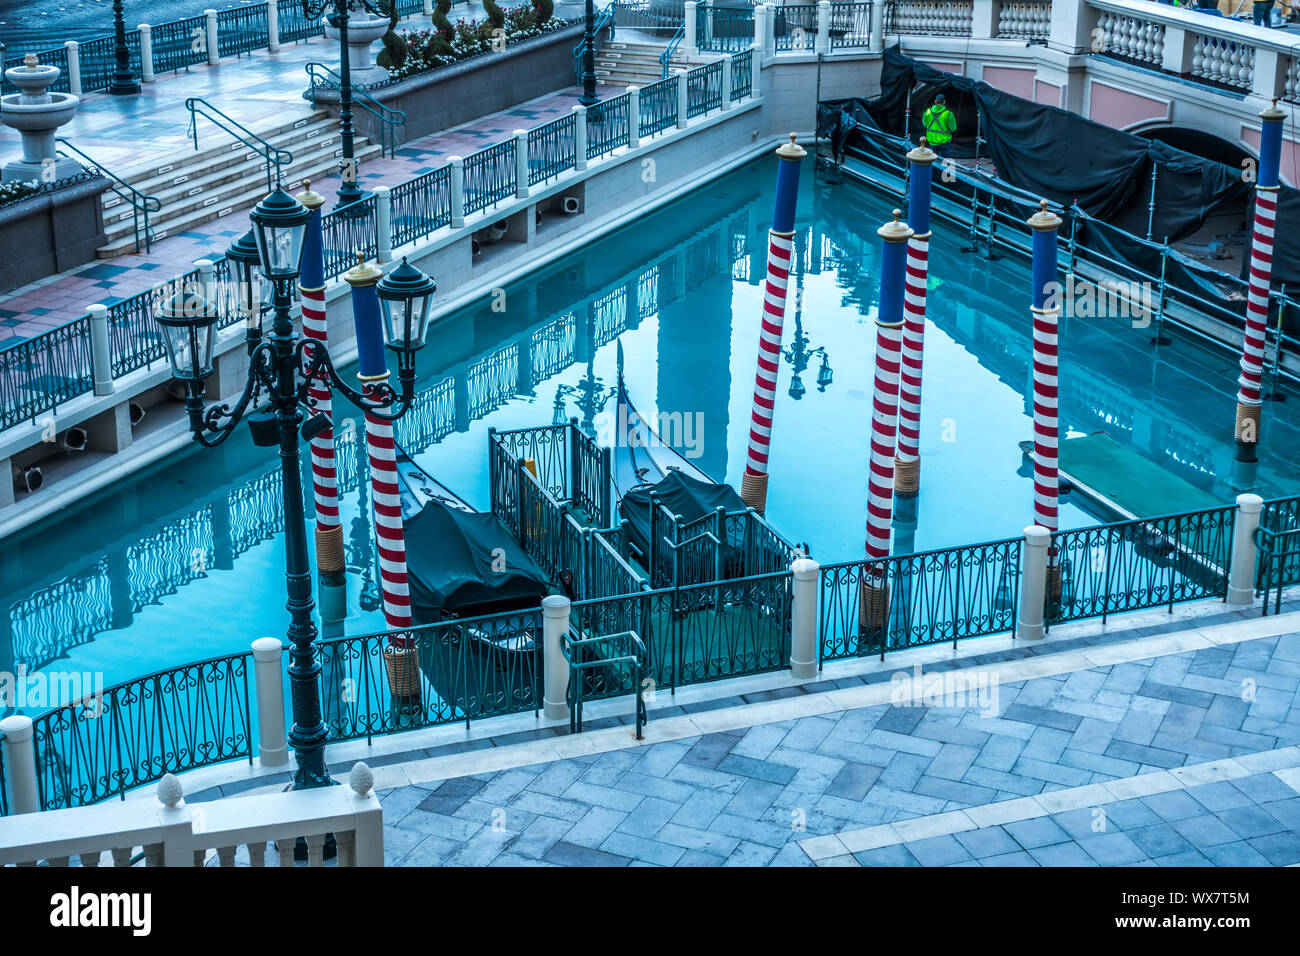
(186, 560)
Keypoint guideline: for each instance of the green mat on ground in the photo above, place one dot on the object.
(1121, 475)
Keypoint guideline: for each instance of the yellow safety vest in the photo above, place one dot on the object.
(939, 125)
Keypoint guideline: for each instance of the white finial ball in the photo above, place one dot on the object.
(361, 779)
(170, 791)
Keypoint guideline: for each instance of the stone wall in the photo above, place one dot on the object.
(50, 232)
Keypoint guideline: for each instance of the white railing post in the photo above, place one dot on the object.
(368, 832)
(760, 31)
(756, 72)
(633, 117)
(726, 81)
(823, 44)
(1271, 69)
(683, 101)
(206, 278)
(803, 619)
(268, 687)
(1033, 583)
(579, 137)
(877, 26)
(521, 164)
(1177, 50)
(214, 56)
(146, 53)
(384, 224)
(555, 624)
(1241, 577)
(984, 19)
(74, 67)
(272, 25)
(456, 177)
(688, 34)
(18, 745)
(1071, 26)
(428, 8)
(175, 825)
(101, 358)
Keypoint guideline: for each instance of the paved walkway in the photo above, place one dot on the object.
(258, 90)
(1169, 759)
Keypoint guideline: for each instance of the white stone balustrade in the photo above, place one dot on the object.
(930, 17)
(1025, 20)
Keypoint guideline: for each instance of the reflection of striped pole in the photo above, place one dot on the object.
(1250, 383)
(907, 473)
(1045, 314)
(753, 486)
(399, 656)
(311, 283)
(884, 418)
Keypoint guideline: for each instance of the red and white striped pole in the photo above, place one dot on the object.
(907, 465)
(1250, 398)
(1045, 314)
(874, 608)
(753, 485)
(400, 657)
(330, 557)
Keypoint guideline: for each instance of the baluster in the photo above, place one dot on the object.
(153, 855)
(1198, 56)
(347, 845)
(257, 854)
(316, 849)
(225, 856)
(200, 858)
(285, 849)
(89, 859)
(121, 855)
(58, 861)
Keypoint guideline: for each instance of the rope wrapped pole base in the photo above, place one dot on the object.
(1053, 588)
(1247, 431)
(402, 663)
(873, 613)
(753, 491)
(907, 477)
(330, 558)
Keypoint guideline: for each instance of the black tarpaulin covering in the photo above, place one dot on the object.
(1058, 155)
(449, 563)
(682, 495)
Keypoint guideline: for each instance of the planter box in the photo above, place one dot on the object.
(50, 232)
(472, 88)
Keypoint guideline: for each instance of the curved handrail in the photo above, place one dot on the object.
(141, 204)
(273, 155)
(667, 56)
(605, 18)
(388, 117)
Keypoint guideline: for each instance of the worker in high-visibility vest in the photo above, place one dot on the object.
(939, 125)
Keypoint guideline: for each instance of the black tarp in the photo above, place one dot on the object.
(1061, 156)
(449, 562)
(688, 497)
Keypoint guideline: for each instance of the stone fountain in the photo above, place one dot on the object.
(36, 113)
(363, 30)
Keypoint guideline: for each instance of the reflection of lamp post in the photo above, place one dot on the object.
(285, 365)
(123, 82)
(797, 353)
(589, 97)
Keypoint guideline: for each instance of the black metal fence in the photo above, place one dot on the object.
(349, 230)
(658, 106)
(420, 206)
(489, 176)
(242, 30)
(552, 149)
(704, 89)
(607, 128)
(179, 44)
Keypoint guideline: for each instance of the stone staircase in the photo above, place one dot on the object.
(623, 63)
(223, 176)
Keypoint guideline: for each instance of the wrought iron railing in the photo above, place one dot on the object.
(724, 29)
(850, 25)
(348, 230)
(57, 56)
(704, 89)
(489, 176)
(41, 373)
(179, 44)
(658, 106)
(273, 157)
(595, 662)
(794, 28)
(551, 149)
(141, 204)
(742, 74)
(391, 121)
(607, 126)
(296, 25)
(99, 61)
(242, 30)
(420, 206)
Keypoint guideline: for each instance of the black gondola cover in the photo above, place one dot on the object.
(449, 561)
(680, 494)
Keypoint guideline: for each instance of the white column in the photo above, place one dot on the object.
(457, 183)
(688, 35)
(682, 100)
(428, 8)
(368, 832)
(268, 685)
(272, 25)
(760, 31)
(756, 80)
(984, 19)
(877, 27)
(1271, 69)
(101, 360)
(521, 163)
(206, 279)
(18, 745)
(74, 66)
(146, 52)
(1033, 583)
(633, 117)
(1072, 25)
(383, 224)
(1241, 577)
(823, 27)
(213, 56)
(1178, 49)
(555, 624)
(579, 137)
(803, 619)
(726, 81)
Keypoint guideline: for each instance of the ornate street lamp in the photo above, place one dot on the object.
(284, 365)
(349, 191)
(254, 300)
(124, 82)
(589, 97)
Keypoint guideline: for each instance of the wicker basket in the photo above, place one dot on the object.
(403, 667)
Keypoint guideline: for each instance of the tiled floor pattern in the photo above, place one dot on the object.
(749, 796)
(257, 90)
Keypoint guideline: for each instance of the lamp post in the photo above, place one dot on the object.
(124, 82)
(349, 191)
(589, 97)
(284, 364)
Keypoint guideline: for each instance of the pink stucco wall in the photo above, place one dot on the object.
(1121, 108)
(1009, 79)
(1290, 153)
(1049, 94)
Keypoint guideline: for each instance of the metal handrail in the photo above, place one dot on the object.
(389, 118)
(604, 19)
(141, 204)
(1268, 573)
(637, 658)
(667, 56)
(272, 155)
